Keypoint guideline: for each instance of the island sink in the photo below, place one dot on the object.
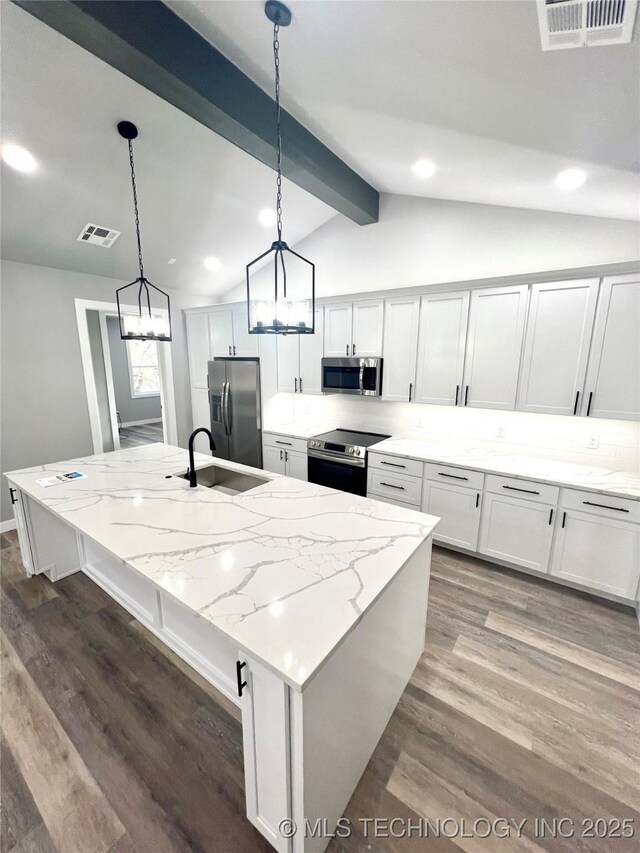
(225, 480)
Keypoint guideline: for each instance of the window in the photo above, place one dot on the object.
(144, 373)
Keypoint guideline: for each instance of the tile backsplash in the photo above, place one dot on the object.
(586, 441)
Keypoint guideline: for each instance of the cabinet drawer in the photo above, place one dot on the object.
(455, 476)
(395, 464)
(623, 509)
(284, 442)
(526, 489)
(396, 486)
(395, 502)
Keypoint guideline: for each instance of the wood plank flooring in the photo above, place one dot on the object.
(525, 705)
(135, 436)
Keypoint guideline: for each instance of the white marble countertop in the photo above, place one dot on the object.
(603, 481)
(299, 430)
(285, 571)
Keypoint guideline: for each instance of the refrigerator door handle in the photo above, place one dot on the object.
(223, 403)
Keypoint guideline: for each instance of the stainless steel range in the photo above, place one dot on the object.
(338, 459)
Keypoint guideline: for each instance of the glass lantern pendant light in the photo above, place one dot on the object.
(280, 292)
(152, 320)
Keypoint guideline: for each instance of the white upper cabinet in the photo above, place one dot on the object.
(311, 352)
(612, 387)
(221, 333)
(494, 345)
(399, 348)
(443, 332)
(288, 363)
(244, 344)
(556, 347)
(198, 346)
(338, 325)
(353, 328)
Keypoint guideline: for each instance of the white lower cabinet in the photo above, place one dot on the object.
(517, 531)
(284, 455)
(459, 511)
(273, 460)
(296, 465)
(597, 551)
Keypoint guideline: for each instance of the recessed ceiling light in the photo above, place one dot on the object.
(212, 263)
(267, 217)
(19, 158)
(424, 168)
(570, 179)
(172, 261)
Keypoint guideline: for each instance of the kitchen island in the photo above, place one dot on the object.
(305, 606)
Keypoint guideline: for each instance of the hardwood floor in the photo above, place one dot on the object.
(526, 704)
(134, 436)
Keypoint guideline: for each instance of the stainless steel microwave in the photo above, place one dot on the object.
(361, 376)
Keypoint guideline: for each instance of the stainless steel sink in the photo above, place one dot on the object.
(224, 480)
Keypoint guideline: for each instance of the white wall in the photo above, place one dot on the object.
(44, 406)
(422, 241)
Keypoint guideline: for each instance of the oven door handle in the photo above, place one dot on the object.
(337, 457)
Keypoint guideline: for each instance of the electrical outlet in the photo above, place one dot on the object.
(593, 442)
(500, 432)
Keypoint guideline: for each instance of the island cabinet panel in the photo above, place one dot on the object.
(47, 544)
(458, 509)
(399, 347)
(556, 347)
(612, 387)
(441, 346)
(517, 531)
(494, 345)
(19, 501)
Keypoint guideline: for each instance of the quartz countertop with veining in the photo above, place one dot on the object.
(285, 570)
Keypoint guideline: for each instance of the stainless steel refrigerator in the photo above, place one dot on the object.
(236, 409)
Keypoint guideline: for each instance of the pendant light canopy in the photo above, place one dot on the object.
(286, 279)
(152, 321)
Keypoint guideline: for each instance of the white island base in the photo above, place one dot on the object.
(304, 750)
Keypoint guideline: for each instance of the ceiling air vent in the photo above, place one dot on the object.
(585, 23)
(98, 236)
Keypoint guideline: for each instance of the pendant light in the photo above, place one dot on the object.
(287, 277)
(152, 321)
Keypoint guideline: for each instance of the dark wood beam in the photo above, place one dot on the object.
(149, 43)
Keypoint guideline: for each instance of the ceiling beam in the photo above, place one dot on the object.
(149, 43)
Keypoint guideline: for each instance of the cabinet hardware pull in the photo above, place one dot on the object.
(564, 518)
(353, 349)
(527, 491)
(300, 384)
(234, 349)
(281, 452)
(391, 486)
(550, 516)
(286, 456)
(589, 403)
(229, 349)
(288, 443)
(466, 395)
(295, 383)
(12, 493)
(453, 476)
(575, 405)
(241, 683)
(477, 500)
(393, 464)
(410, 390)
(457, 395)
(605, 506)
(347, 349)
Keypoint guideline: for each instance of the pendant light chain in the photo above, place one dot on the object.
(276, 61)
(135, 208)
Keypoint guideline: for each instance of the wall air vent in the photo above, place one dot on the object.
(98, 236)
(585, 23)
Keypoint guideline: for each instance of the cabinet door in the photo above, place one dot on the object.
(441, 343)
(288, 363)
(245, 345)
(399, 348)
(311, 352)
(198, 346)
(459, 512)
(518, 531)
(556, 346)
(22, 529)
(296, 465)
(601, 553)
(494, 345)
(367, 328)
(201, 417)
(221, 333)
(613, 377)
(273, 459)
(338, 320)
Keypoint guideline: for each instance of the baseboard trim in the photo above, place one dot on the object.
(6, 526)
(142, 423)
